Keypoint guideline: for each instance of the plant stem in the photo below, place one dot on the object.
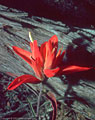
(39, 98)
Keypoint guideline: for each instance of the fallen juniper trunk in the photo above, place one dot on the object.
(77, 90)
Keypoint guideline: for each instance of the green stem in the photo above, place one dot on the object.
(39, 99)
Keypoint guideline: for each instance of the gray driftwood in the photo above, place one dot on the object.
(79, 88)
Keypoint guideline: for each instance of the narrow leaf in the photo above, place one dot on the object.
(52, 98)
(12, 74)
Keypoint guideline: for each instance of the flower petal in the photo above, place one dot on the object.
(31, 45)
(54, 41)
(73, 69)
(37, 67)
(64, 71)
(59, 59)
(36, 52)
(26, 55)
(51, 72)
(23, 79)
(50, 59)
(43, 50)
(50, 45)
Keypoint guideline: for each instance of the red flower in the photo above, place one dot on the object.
(45, 61)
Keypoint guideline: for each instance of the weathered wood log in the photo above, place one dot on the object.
(78, 88)
(72, 12)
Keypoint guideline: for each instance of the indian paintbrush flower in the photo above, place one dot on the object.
(45, 61)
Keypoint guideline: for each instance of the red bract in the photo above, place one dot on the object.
(45, 61)
(23, 79)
